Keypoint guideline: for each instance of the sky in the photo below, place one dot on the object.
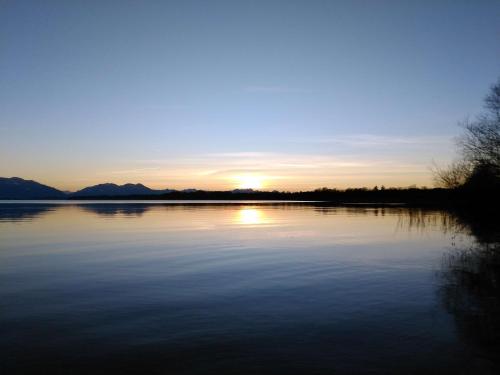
(287, 95)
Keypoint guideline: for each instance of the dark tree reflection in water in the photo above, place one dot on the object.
(471, 286)
(470, 291)
(469, 279)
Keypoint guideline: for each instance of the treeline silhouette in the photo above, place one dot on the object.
(408, 196)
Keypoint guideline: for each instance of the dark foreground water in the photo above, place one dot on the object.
(244, 289)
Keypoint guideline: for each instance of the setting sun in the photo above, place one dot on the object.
(250, 182)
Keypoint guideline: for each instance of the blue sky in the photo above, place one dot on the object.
(298, 94)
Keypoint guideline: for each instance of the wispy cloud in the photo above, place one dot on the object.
(275, 89)
(240, 154)
(136, 171)
(167, 107)
(371, 140)
(352, 160)
(284, 170)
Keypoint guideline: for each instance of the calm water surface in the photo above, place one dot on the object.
(233, 289)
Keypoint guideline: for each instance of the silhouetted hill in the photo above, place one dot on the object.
(18, 188)
(113, 190)
(243, 191)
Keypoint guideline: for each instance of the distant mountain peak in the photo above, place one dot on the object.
(190, 190)
(113, 190)
(19, 188)
(243, 191)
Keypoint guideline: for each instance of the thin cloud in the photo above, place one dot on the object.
(135, 171)
(275, 89)
(241, 154)
(285, 170)
(370, 140)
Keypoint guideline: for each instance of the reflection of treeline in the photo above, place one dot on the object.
(470, 291)
(470, 284)
(482, 223)
(421, 220)
(469, 278)
(28, 212)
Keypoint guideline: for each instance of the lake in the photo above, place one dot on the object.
(244, 288)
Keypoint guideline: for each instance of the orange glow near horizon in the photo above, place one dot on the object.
(249, 182)
(275, 175)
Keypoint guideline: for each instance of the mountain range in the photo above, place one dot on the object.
(18, 188)
(108, 189)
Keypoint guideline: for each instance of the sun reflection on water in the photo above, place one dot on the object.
(251, 216)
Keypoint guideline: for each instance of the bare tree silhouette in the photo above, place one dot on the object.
(479, 146)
